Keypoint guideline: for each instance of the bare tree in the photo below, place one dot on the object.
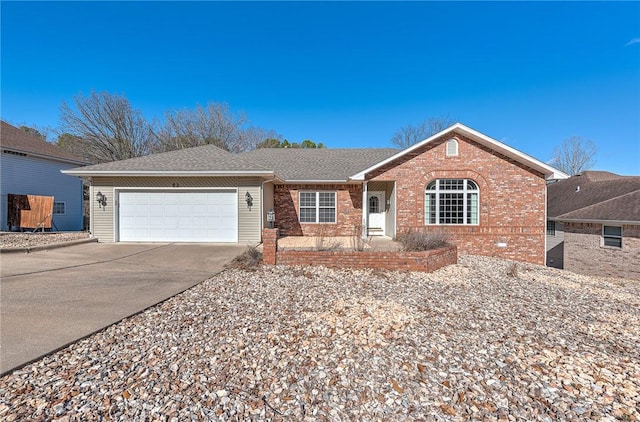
(575, 155)
(410, 134)
(252, 136)
(79, 147)
(113, 129)
(214, 124)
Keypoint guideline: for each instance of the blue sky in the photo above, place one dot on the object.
(345, 74)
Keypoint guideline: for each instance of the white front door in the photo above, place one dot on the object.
(376, 213)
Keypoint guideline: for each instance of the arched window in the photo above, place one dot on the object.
(451, 201)
(452, 148)
(374, 204)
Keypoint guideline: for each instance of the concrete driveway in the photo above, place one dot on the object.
(51, 298)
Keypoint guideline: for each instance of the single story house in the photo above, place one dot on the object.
(485, 196)
(594, 219)
(31, 166)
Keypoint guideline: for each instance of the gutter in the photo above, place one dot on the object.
(594, 220)
(180, 173)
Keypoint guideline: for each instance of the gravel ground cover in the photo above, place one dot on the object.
(29, 240)
(481, 340)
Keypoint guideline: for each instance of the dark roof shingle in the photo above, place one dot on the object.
(15, 139)
(321, 164)
(595, 195)
(206, 158)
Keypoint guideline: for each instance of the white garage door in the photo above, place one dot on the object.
(178, 216)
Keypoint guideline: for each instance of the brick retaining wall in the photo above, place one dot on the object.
(426, 261)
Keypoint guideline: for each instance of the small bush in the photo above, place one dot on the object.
(358, 243)
(417, 241)
(249, 260)
(324, 243)
(513, 270)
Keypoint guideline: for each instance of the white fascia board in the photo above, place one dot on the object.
(592, 220)
(547, 170)
(166, 173)
(316, 181)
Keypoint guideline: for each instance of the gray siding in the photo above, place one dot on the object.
(104, 221)
(36, 176)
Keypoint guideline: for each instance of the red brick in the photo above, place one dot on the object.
(512, 201)
(427, 261)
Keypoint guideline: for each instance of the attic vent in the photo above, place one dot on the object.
(578, 189)
(21, 154)
(452, 148)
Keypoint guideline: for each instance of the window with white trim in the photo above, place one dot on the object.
(452, 148)
(58, 208)
(612, 236)
(451, 201)
(317, 207)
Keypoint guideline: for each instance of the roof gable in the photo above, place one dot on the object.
(17, 140)
(549, 171)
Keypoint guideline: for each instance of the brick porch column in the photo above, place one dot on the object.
(269, 246)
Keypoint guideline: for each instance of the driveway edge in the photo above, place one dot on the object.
(18, 367)
(51, 246)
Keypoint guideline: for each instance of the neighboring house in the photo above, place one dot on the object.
(485, 196)
(31, 166)
(596, 217)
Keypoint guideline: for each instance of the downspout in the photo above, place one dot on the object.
(545, 225)
(364, 209)
(92, 233)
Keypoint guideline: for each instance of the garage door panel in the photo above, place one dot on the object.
(178, 216)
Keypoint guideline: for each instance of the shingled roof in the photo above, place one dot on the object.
(595, 196)
(17, 140)
(207, 160)
(317, 165)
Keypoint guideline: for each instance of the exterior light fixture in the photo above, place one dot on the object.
(271, 217)
(102, 199)
(249, 199)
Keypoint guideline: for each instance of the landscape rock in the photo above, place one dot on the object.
(467, 342)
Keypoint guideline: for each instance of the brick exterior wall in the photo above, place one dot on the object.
(269, 246)
(512, 199)
(426, 261)
(585, 254)
(348, 210)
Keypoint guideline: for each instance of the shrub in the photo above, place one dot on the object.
(418, 241)
(358, 243)
(513, 270)
(324, 243)
(249, 260)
